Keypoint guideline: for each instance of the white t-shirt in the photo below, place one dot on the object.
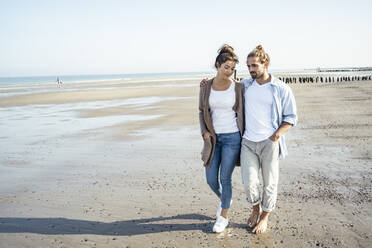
(258, 112)
(223, 116)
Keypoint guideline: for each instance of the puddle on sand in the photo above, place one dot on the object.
(24, 128)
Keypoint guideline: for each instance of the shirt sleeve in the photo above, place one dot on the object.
(289, 107)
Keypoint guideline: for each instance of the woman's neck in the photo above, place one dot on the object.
(220, 80)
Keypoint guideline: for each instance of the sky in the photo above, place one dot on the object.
(66, 37)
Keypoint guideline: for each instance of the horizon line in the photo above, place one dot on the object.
(186, 72)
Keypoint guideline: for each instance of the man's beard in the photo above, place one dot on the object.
(255, 75)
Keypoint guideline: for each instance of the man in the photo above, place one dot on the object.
(270, 111)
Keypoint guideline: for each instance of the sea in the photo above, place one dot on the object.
(142, 77)
(7, 81)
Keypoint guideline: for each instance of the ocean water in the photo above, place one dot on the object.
(152, 77)
(5, 81)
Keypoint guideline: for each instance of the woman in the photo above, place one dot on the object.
(221, 117)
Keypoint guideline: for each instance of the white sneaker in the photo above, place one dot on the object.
(218, 213)
(221, 224)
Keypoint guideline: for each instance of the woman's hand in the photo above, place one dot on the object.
(206, 135)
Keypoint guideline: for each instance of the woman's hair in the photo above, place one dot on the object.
(261, 54)
(226, 53)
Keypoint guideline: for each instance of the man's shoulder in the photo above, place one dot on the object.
(280, 84)
(277, 81)
(246, 81)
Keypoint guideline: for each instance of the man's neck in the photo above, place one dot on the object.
(266, 77)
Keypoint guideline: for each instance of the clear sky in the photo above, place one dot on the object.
(53, 37)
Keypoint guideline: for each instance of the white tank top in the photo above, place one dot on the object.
(221, 103)
(258, 112)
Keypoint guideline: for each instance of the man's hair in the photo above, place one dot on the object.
(261, 54)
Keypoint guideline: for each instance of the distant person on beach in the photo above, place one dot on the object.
(59, 81)
(270, 111)
(221, 119)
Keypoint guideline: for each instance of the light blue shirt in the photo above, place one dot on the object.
(284, 107)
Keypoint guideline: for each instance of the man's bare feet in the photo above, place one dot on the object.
(255, 215)
(261, 227)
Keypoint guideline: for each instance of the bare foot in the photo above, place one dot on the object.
(252, 221)
(261, 227)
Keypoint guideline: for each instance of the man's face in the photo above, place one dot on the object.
(255, 67)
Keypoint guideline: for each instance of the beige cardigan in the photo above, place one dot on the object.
(205, 118)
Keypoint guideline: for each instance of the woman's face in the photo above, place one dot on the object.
(226, 70)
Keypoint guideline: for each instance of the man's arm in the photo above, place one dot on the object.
(289, 108)
(289, 114)
(203, 82)
(284, 127)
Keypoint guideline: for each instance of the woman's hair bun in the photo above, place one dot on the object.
(225, 53)
(226, 49)
(259, 47)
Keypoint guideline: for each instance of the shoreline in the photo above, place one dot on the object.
(100, 78)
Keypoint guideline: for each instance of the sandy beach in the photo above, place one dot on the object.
(117, 164)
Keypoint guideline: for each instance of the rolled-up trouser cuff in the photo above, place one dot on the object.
(253, 203)
(267, 209)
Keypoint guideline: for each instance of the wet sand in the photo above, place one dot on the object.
(119, 166)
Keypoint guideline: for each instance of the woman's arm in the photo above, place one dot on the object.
(203, 126)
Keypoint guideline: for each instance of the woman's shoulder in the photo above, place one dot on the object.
(238, 84)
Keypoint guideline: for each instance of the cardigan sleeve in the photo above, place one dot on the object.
(203, 126)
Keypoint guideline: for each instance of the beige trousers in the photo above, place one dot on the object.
(255, 158)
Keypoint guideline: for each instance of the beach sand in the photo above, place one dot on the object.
(119, 166)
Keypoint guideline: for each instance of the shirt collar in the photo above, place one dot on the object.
(274, 80)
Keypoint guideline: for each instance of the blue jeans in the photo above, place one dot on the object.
(225, 155)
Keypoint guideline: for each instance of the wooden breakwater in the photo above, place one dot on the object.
(293, 79)
(323, 79)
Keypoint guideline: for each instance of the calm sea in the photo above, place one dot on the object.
(87, 78)
(4, 81)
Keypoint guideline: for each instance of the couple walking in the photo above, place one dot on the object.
(244, 124)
